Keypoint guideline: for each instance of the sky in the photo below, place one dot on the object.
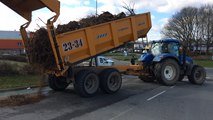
(161, 12)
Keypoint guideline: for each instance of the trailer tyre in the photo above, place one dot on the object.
(167, 72)
(86, 83)
(111, 80)
(198, 75)
(57, 83)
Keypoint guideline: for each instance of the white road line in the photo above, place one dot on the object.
(156, 95)
(122, 113)
(172, 87)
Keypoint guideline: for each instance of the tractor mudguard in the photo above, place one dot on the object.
(189, 68)
(187, 59)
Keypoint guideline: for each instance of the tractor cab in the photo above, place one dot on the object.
(165, 46)
(161, 49)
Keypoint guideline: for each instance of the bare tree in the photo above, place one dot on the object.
(207, 25)
(182, 26)
(130, 7)
(193, 26)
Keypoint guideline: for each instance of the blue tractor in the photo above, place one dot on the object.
(166, 63)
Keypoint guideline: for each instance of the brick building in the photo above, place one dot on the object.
(11, 43)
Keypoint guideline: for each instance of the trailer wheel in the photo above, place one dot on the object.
(110, 80)
(198, 75)
(86, 83)
(167, 72)
(57, 83)
(146, 78)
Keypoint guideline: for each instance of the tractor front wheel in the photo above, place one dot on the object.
(198, 75)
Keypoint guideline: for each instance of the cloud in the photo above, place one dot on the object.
(170, 6)
(71, 2)
(157, 26)
(87, 2)
(9, 19)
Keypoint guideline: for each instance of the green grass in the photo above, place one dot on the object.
(113, 54)
(17, 81)
(17, 64)
(125, 58)
(121, 57)
(204, 63)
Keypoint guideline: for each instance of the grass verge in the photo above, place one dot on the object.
(204, 63)
(125, 58)
(19, 81)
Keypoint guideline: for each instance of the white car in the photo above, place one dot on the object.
(101, 61)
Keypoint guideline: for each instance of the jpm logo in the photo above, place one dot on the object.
(101, 35)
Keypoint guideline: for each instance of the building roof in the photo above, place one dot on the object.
(14, 35)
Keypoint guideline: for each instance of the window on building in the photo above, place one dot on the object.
(19, 44)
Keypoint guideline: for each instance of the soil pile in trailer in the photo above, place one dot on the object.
(39, 49)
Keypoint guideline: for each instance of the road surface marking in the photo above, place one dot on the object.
(122, 113)
(156, 95)
(172, 87)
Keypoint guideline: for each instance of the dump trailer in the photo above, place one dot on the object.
(73, 47)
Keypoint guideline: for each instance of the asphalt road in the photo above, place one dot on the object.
(181, 102)
(135, 101)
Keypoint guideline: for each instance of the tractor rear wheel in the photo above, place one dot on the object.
(198, 75)
(57, 83)
(167, 72)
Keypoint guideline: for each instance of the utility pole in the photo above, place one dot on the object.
(96, 7)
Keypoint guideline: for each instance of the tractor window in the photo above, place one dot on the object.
(159, 48)
(173, 48)
(156, 49)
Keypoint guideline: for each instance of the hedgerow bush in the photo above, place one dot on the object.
(8, 69)
(14, 58)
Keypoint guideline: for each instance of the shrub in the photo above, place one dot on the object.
(8, 69)
(14, 58)
(28, 70)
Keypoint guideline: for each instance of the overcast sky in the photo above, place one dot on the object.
(161, 11)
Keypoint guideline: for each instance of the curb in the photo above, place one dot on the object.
(21, 88)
